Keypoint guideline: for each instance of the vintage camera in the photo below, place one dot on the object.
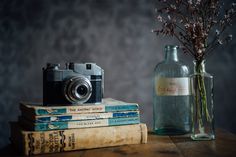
(76, 84)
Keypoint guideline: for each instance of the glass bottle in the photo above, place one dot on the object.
(202, 103)
(171, 92)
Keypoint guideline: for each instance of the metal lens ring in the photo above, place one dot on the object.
(78, 89)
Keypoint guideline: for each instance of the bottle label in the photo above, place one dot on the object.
(176, 86)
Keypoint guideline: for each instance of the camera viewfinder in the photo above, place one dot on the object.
(88, 66)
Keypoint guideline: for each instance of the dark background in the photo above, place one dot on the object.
(114, 34)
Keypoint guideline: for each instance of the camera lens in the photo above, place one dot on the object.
(77, 89)
(82, 90)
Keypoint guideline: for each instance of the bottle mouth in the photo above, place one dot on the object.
(171, 47)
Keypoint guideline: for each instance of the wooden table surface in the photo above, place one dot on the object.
(158, 146)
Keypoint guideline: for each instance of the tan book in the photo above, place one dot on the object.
(40, 142)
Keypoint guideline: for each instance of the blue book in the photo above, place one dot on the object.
(78, 124)
(83, 116)
(107, 105)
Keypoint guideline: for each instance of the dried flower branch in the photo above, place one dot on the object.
(192, 22)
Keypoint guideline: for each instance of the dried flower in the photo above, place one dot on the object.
(220, 41)
(190, 2)
(159, 18)
(229, 38)
(198, 2)
(217, 32)
(193, 21)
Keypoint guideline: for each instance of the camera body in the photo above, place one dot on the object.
(76, 84)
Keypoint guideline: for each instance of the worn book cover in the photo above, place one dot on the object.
(77, 124)
(107, 105)
(40, 142)
(82, 116)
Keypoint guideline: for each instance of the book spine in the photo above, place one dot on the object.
(88, 116)
(76, 139)
(78, 124)
(85, 109)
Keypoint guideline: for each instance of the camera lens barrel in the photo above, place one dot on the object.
(77, 89)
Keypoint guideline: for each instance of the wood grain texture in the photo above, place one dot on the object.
(223, 146)
(158, 146)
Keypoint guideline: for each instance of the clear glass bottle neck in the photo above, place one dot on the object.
(199, 66)
(171, 55)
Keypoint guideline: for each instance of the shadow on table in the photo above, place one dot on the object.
(8, 150)
(175, 138)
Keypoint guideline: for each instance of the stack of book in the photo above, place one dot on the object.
(49, 129)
